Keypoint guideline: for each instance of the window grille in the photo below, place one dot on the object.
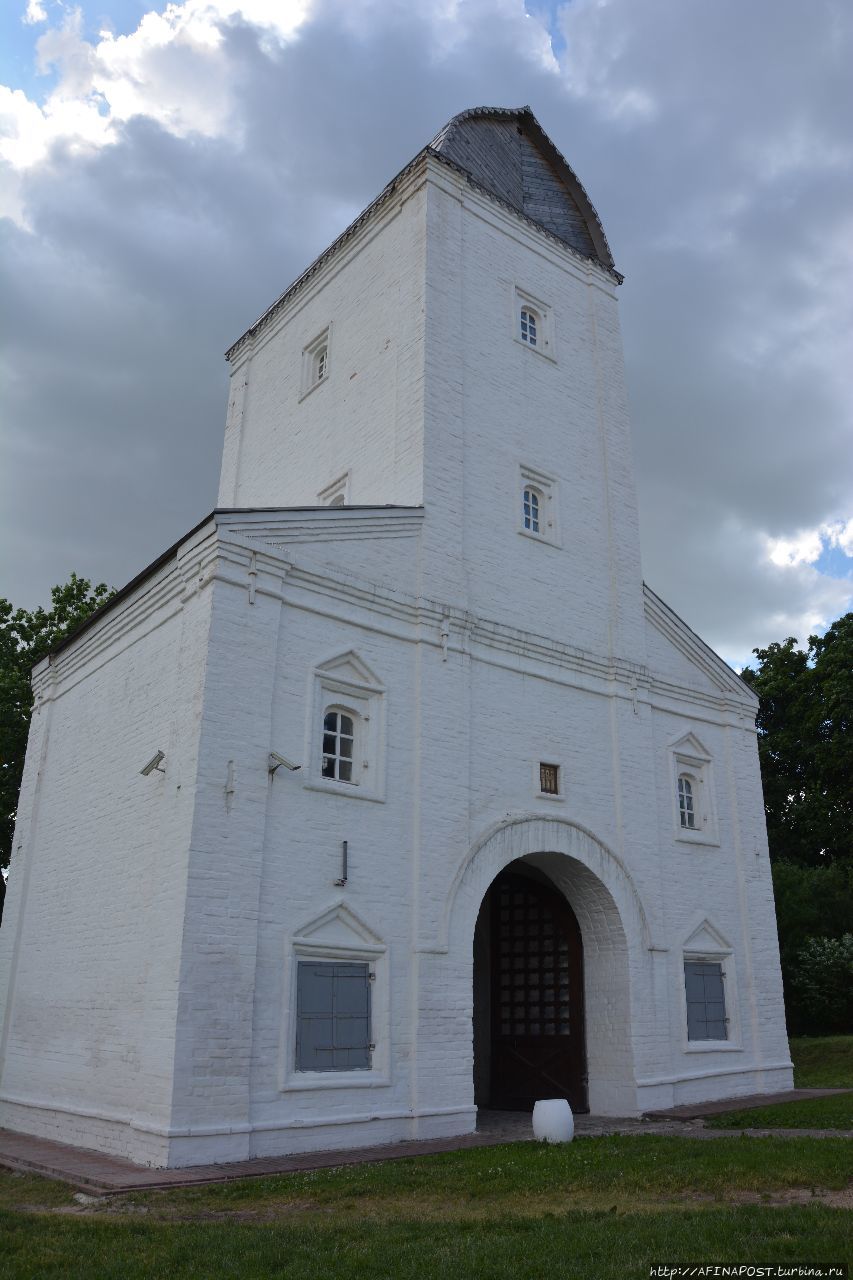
(338, 743)
(686, 808)
(332, 1016)
(706, 1000)
(549, 779)
(531, 511)
(529, 327)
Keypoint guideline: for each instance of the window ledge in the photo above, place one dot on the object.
(543, 795)
(696, 837)
(335, 1080)
(314, 385)
(351, 789)
(712, 1046)
(536, 351)
(540, 537)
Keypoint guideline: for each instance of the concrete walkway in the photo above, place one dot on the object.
(99, 1174)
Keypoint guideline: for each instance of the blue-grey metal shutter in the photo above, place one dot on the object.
(706, 1000)
(332, 1016)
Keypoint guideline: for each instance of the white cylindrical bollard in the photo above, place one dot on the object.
(553, 1120)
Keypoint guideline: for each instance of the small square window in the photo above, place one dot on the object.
(549, 779)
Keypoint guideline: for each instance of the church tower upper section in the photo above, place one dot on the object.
(458, 348)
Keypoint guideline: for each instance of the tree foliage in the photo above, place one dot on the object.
(820, 996)
(806, 751)
(814, 905)
(25, 637)
(805, 745)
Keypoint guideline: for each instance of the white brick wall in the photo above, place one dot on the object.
(367, 416)
(92, 945)
(150, 941)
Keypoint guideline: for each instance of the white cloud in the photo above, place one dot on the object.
(808, 545)
(175, 178)
(840, 534)
(172, 69)
(35, 12)
(803, 548)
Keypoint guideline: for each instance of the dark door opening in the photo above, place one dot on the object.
(528, 1001)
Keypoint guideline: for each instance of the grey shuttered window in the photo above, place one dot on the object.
(332, 1016)
(706, 1000)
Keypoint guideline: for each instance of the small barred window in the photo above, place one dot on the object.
(706, 1000)
(333, 1016)
(549, 779)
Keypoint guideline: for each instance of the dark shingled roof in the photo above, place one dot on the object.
(505, 152)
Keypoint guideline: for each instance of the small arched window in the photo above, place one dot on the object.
(531, 510)
(686, 807)
(529, 326)
(339, 732)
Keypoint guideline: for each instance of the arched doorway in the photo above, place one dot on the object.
(529, 1036)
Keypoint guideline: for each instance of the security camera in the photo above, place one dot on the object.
(153, 765)
(276, 761)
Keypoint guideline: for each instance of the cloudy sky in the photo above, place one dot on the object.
(165, 170)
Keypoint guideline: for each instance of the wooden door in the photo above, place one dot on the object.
(537, 1021)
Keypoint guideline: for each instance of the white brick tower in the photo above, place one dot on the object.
(452, 811)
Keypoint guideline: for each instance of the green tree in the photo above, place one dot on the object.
(25, 637)
(805, 745)
(806, 751)
(813, 905)
(821, 986)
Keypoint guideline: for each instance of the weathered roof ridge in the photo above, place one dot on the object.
(526, 119)
(476, 113)
(603, 254)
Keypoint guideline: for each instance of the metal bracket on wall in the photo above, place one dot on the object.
(344, 851)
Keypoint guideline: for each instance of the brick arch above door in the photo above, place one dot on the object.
(529, 835)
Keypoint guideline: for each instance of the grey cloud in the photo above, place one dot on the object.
(150, 257)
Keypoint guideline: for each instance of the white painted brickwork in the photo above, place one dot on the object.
(147, 953)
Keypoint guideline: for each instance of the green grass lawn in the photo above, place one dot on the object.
(822, 1062)
(598, 1245)
(597, 1208)
(813, 1113)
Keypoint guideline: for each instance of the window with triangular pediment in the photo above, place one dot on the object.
(692, 790)
(345, 732)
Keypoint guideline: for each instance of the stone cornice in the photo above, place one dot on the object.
(246, 549)
(421, 620)
(321, 524)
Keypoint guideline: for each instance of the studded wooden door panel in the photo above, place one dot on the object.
(537, 1016)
